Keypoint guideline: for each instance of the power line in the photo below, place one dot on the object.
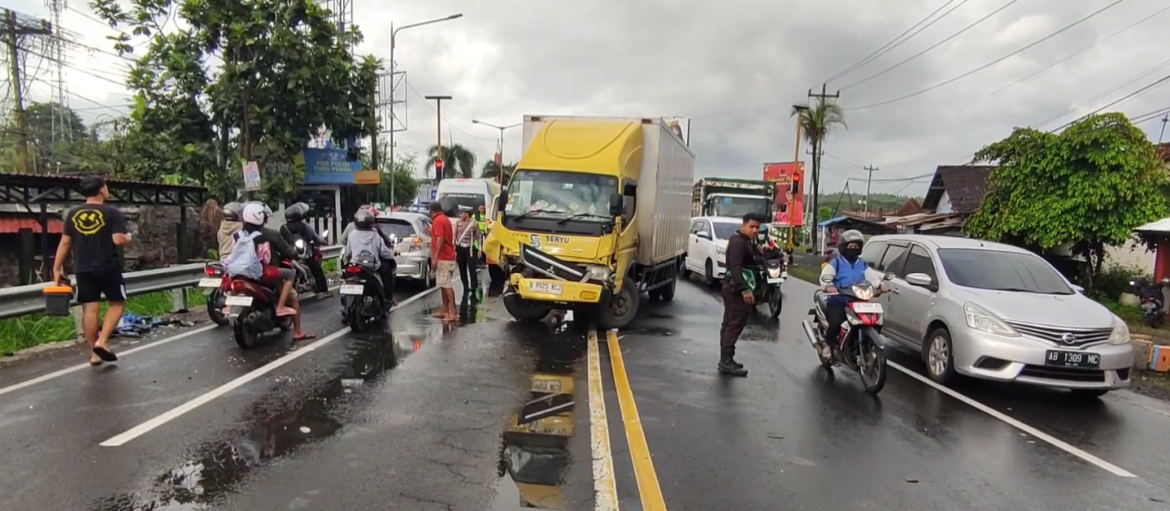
(895, 42)
(931, 47)
(989, 64)
(448, 121)
(1164, 64)
(1142, 90)
(1059, 62)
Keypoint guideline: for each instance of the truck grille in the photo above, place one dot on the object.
(1063, 336)
(547, 265)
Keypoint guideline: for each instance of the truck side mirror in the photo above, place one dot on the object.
(617, 203)
(502, 201)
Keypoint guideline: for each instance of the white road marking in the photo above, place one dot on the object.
(604, 483)
(179, 411)
(1055, 442)
(166, 340)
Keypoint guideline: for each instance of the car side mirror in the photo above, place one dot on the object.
(889, 276)
(502, 200)
(1078, 289)
(617, 204)
(919, 280)
(703, 234)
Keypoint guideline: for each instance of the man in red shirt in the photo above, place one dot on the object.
(443, 260)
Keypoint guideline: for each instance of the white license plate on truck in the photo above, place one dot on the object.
(549, 288)
(867, 308)
(238, 301)
(353, 289)
(210, 282)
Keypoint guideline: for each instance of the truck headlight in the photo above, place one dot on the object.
(599, 273)
(1120, 333)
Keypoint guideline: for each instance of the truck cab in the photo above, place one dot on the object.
(735, 205)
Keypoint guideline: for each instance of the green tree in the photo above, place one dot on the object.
(816, 122)
(283, 69)
(402, 174)
(56, 136)
(1087, 187)
(491, 170)
(458, 161)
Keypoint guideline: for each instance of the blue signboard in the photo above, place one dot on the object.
(330, 167)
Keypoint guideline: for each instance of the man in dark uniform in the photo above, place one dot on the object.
(738, 300)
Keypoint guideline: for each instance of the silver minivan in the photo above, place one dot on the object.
(997, 312)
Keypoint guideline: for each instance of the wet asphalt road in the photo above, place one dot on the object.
(490, 414)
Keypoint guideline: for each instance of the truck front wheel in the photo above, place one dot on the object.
(525, 310)
(622, 306)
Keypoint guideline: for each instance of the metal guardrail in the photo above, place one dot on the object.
(23, 300)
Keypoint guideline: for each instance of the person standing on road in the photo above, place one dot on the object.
(738, 298)
(94, 231)
(443, 260)
(466, 252)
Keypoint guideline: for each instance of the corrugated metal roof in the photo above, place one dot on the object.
(14, 225)
(1162, 225)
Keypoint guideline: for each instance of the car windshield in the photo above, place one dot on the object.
(468, 201)
(1002, 271)
(725, 230)
(561, 194)
(737, 207)
(399, 229)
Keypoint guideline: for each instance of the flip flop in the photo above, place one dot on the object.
(304, 337)
(105, 354)
(96, 362)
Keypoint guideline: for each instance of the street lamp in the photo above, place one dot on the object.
(499, 164)
(393, 44)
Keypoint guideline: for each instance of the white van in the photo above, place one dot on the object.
(470, 193)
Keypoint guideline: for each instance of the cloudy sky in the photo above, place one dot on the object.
(735, 67)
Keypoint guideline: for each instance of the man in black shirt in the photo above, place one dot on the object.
(738, 300)
(94, 231)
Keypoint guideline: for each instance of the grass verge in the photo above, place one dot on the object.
(35, 329)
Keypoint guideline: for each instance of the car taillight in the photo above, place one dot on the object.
(238, 286)
(353, 269)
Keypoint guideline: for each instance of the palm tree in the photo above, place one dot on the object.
(491, 170)
(816, 122)
(458, 161)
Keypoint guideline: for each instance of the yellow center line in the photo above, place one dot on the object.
(648, 488)
(604, 485)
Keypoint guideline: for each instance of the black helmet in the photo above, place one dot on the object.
(296, 212)
(232, 211)
(363, 219)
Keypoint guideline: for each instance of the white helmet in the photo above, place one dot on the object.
(254, 214)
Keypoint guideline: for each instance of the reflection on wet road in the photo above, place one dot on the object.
(491, 414)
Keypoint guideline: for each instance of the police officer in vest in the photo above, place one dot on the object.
(842, 272)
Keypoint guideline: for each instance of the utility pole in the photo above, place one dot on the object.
(1165, 119)
(439, 163)
(868, 182)
(818, 148)
(374, 139)
(796, 158)
(14, 31)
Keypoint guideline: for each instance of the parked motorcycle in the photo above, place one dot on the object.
(253, 311)
(362, 296)
(859, 346)
(215, 286)
(1152, 300)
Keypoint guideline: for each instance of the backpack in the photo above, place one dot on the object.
(243, 261)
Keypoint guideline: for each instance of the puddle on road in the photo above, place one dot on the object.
(218, 468)
(534, 457)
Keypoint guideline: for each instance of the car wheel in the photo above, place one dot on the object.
(683, 271)
(709, 274)
(939, 355)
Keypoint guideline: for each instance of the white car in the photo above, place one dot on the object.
(707, 245)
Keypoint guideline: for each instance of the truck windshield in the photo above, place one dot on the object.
(554, 194)
(737, 207)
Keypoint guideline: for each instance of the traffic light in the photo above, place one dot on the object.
(438, 169)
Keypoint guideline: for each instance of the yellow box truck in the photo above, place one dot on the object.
(596, 213)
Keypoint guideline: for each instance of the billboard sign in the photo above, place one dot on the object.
(789, 198)
(332, 167)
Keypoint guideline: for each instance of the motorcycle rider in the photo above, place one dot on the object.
(842, 272)
(390, 263)
(228, 228)
(295, 227)
(368, 243)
